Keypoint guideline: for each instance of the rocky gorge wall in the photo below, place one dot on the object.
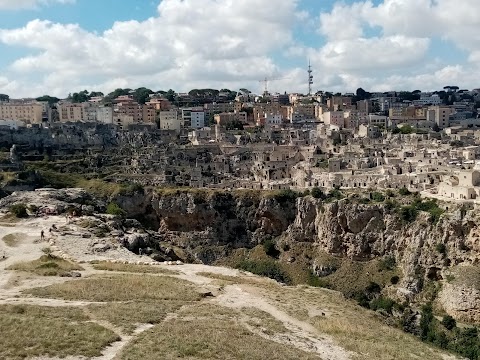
(210, 225)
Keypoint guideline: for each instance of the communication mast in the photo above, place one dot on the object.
(266, 81)
(310, 78)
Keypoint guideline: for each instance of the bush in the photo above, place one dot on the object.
(404, 192)
(267, 268)
(317, 193)
(426, 321)
(378, 197)
(115, 209)
(449, 322)
(391, 205)
(387, 263)
(394, 280)
(390, 193)
(19, 210)
(408, 213)
(384, 303)
(286, 196)
(441, 248)
(270, 249)
(315, 281)
(335, 194)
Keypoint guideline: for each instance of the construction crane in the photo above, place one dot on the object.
(266, 81)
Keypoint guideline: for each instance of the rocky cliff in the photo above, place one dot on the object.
(210, 225)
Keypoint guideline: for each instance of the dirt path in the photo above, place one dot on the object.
(300, 334)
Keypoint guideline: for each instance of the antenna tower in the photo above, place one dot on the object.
(310, 78)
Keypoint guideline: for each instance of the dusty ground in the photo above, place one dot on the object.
(69, 242)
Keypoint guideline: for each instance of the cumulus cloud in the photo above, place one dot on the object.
(396, 54)
(211, 43)
(29, 4)
(187, 42)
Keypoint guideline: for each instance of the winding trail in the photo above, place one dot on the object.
(237, 296)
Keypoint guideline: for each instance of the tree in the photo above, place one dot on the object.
(170, 95)
(141, 95)
(81, 97)
(4, 97)
(47, 98)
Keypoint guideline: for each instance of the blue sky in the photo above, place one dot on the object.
(61, 46)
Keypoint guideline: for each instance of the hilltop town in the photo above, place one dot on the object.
(424, 142)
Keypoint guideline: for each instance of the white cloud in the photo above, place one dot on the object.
(386, 46)
(29, 4)
(227, 43)
(188, 42)
(362, 54)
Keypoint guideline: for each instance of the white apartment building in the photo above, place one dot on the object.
(187, 114)
(123, 120)
(169, 120)
(197, 119)
(89, 112)
(30, 113)
(105, 115)
(273, 119)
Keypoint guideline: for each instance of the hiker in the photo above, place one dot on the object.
(42, 235)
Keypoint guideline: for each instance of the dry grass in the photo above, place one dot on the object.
(233, 279)
(356, 276)
(31, 331)
(354, 328)
(129, 315)
(121, 288)
(264, 321)
(146, 269)
(13, 240)
(206, 339)
(47, 265)
(9, 220)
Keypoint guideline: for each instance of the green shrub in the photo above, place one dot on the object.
(384, 303)
(435, 214)
(426, 321)
(270, 249)
(19, 210)
(378, 197)
(389, 193)
(335, 194)
(387, 263)
(408, 213)
(364, 200)
(315, 281)
(267, 268)
(391, 205)
(441, 248)
(115, 209)
(449, 322)
(317, 193)
(286, 196)
(404, 192)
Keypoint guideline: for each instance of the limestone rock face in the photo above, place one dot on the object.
(206, 226)
(460, 301)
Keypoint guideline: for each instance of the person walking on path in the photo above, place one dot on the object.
(42, 235)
